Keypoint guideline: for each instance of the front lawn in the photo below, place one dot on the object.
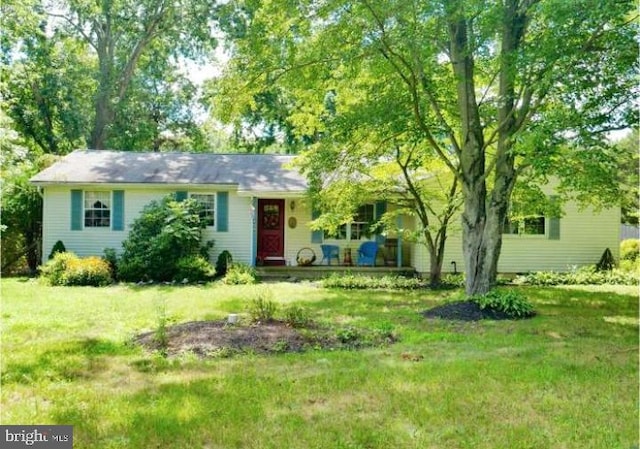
(568, 378)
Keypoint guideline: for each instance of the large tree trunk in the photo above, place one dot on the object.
(436, 257)
(484, 215)
(104, 117)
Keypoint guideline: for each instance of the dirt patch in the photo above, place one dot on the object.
(217, 338)
(464, 311)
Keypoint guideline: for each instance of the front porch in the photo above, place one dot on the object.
(321, 271)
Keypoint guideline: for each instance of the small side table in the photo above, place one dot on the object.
(346, 259)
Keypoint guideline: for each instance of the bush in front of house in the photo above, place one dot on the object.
(194, 269)
(630, 249)
(223, 262)
(579, 276)
(509, 302)
(360, 282)
(240, 274)
(58, 247)
(166, 232)
(68, 269)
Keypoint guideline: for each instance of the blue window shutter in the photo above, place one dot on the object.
(380, 209)
(316, 236)
(118, 210)
(76, 210)
(181, 195)
(554, 223)
(222, 212)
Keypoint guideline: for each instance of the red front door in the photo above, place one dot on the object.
(271, 232)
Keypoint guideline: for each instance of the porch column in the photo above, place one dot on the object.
(254, 230)
(399, 249)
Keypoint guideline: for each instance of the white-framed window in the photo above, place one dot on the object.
(534, 224)
(208, 207)
(97, 209)
(359, 228)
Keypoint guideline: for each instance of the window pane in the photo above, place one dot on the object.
(207, 203)
(97, 213)
(534, 226)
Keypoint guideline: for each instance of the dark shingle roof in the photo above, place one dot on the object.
(250, 172)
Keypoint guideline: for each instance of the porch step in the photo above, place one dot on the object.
(321, 271)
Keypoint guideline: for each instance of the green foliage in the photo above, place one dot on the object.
(510, 302)
(629, 176)
(348, 335)
(631, 266)
(68, 269)
(296, 316)
(164, 233)
(358, 281)
(108, 74)
(55, 269)
(262, 308)
(194, 269)
(111, 258)
(579, 276)
(21, 218)
(630, 249)
(240, 274)
(58, 247)
(606, 262)
(524, 91)
(160, 333)
(223, 262)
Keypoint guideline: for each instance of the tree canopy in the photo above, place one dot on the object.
(505, 93)
(107, 74)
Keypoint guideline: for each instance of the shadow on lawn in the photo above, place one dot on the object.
(71, 360)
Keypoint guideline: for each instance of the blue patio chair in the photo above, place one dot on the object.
(330, 252)
(367, 254)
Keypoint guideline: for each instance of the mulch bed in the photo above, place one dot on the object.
(211, 338)
(217, 338)
(206, 338)
(464, 311)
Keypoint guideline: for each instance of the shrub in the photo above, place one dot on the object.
(223, 262)
(580, 276)
(630, 249)
(88, 271)
(607, 262)
(631, 266)
(509, 302)
(111, 258)
(58, 247)
(194, 269)
(165, 232)
(296, 316)
(54, 269)
(69, 269)
(353, 282)
(239, 274)
(262, 308)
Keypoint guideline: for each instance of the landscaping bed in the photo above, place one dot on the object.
(465, 311)
(220, 339)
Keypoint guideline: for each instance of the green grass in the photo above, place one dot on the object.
(566, 379)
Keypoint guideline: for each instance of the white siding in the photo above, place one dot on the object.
(584, 235)
(93, 241)
(300, 236)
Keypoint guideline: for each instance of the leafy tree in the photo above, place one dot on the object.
(44, 88)
(115, 64)
(629, 166)
(21, 218)
(165, 233)
(506, 93)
